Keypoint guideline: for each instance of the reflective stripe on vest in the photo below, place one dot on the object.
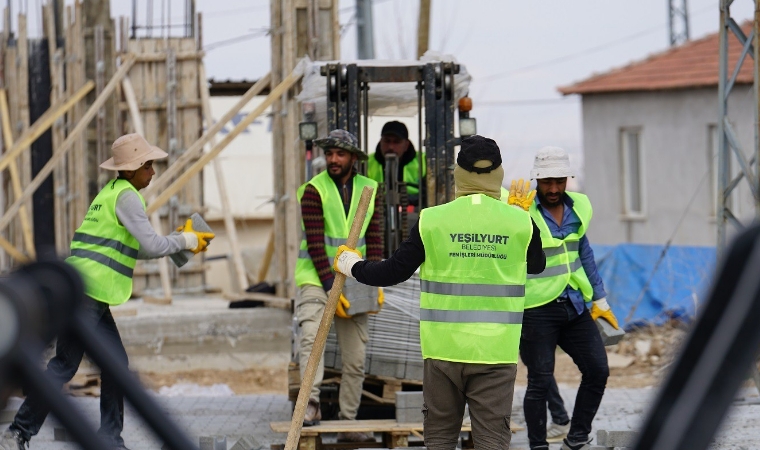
(443, 315)
(103, 250)
(411, 172)
(563, 265)
(337, 224)
(472, 282)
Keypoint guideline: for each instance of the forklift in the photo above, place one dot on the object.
(348, 101)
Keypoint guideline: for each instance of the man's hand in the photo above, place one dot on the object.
(343, 305)
(600, 308)
(520, 194)
(380, 297)
(195, 241)
(345, 260)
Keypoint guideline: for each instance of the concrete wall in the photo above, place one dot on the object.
(675, 148)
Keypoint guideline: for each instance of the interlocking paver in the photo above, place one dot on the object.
(238, 416)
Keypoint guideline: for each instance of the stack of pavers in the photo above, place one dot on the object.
(393, 349)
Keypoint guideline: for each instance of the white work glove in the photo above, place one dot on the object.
(191, 240)
(345, 260)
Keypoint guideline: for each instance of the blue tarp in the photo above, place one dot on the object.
(677, 286)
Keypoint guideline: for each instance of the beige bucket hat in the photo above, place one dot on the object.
(130, 152)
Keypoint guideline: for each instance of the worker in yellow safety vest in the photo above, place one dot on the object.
(394, 138)
(555, 303)
(114, 234)
(474, 254)
(329, 202)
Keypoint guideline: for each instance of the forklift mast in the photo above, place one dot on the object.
(348, 108)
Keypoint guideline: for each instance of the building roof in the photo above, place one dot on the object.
(691, 65)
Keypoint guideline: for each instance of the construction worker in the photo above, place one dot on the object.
(328, 204)
(474, 254)
(560, 425)
(555, 309)
(113, 235)
(394, 138)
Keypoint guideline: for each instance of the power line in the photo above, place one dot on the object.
(585, 52)
(234, 40)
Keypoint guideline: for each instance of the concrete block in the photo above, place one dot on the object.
(181, 258)
(248, 443)
(616, 438)
(212, 442)
(410, 399)
(610, 335)
(409, 415)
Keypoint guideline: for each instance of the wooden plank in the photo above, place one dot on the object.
(266, 260)
(325, 323)
(79, 152)
(42, 124)
(277, 143)
(88, 116)
(26, 225)
(196, 167)
(156, 106)
(229, 222)
(101, 144)
(55, 56)
(155, 219)
(22, 84)
(195, 150)
(361, 426)
(161, 57)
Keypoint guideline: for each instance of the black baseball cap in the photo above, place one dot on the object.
(396, 128)
(478, 148)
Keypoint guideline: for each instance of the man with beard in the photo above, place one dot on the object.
(328, 204)
(394, 138)
(555, 308)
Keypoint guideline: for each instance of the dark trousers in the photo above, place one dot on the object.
(488, 389)
(63, 366)
(544, 328)
(556, 404)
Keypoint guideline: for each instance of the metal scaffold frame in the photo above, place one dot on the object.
(728, 142)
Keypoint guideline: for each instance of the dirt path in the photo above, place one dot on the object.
(640, 360)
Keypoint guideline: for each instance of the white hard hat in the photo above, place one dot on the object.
(551, 162)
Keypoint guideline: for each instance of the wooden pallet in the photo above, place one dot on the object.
(393, 434)
(377, 389)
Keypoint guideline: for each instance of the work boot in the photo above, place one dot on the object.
(567, 445)
(313, 414)
(12, 440)
(355, 436)
(556, 432)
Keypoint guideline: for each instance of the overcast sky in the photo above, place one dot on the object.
(518, 52)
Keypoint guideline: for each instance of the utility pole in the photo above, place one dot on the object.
(423, 29)
(678, 20)
(365, 29)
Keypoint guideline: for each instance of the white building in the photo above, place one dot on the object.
(650, 143)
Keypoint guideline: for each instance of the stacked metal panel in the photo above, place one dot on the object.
(393, 349)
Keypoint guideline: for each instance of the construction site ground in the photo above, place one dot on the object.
(202, 344)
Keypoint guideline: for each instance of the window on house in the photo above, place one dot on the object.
(633, 193)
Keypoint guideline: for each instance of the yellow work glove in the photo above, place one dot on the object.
(600, 308)
(345, 260)
(520, 194)
(343, 305)
(195, 241)
(380, 297)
